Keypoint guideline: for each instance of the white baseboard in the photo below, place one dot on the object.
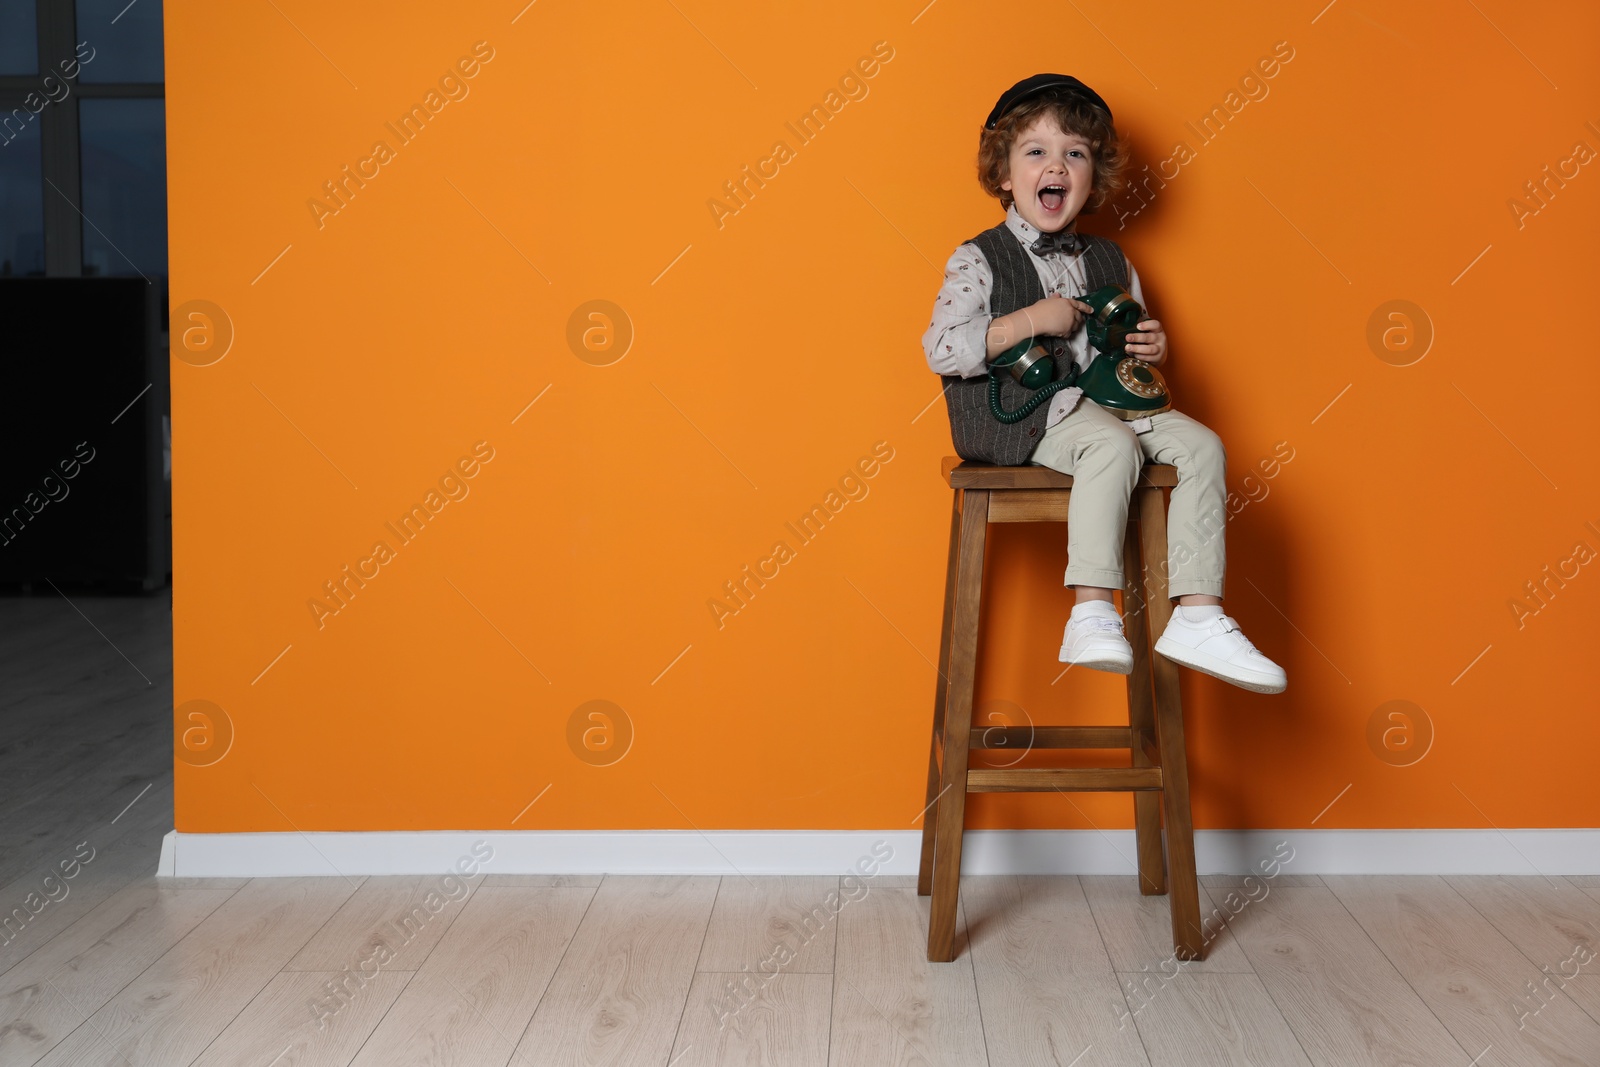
(167, 864)
(768, 852)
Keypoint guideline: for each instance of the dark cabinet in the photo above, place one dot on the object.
(84, 488)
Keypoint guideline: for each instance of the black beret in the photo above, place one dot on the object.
(1037, 84)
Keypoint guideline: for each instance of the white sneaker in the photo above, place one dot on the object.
(1219, 648)
(1094, 639)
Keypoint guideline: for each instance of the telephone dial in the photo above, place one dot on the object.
(1123, 384)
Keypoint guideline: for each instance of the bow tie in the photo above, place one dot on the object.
(1068, 241)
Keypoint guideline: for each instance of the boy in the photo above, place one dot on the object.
(1049, 152)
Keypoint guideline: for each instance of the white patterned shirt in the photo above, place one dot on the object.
(955, 342)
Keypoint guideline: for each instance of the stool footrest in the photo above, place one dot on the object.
(1070, 779)
(1031, 737)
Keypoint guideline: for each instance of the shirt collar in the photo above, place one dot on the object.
(1024, 231)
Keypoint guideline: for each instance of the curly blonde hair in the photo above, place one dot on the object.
(1073, 114)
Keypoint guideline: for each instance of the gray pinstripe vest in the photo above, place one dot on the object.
(978, 436)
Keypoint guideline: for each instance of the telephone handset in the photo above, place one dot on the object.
(1121, 383)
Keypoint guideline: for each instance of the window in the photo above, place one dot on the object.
(82, 138)
(124, 167)
(19, 37)
(126, 37)
(21, 200)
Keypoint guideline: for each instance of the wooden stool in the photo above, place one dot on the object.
(1153, 736)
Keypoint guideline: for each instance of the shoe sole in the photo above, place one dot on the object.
(1255, 683)
(1113, 666)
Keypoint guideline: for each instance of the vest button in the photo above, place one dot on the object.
(1032, 431)
(1060, 350)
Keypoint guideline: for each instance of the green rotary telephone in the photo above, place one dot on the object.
(1121, 383)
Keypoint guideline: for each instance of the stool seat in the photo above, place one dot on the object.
(964, 474)
(1157, 774)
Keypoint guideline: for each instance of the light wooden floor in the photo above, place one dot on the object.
(117, 968)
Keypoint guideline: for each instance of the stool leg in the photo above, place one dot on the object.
(1141, 716)
(952, 806)
(1187, 937)
(925, 867)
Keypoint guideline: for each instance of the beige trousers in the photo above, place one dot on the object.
(1103, 455)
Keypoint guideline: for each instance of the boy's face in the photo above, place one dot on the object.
(1051, 175)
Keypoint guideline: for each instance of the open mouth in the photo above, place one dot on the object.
(1051, 197)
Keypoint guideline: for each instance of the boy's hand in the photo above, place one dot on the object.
(1150, 344)
(1057, 316)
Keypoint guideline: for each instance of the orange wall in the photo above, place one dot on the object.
(777, 346)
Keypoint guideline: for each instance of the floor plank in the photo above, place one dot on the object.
(785, 1023)
(1546, 918)
(1137, 929)
(42, 999)
(1584, 991)
(1045, 982)
(470, 1001)
(549, 881)
(891, 1006)
(107, 873)
(1037, 913)
(894, 881)
(1199, 1019)
(102, 780)
(1238, 881)
(619, 992)
(177, 1005)
(84, 732)
(1344, 1001)
(408, 915)
(1467, 972)
(784, 923)
(284, 1025)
